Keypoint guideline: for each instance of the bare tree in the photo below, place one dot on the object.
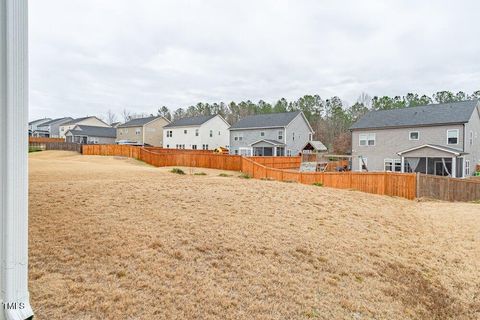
(127, 115)
(111, 117)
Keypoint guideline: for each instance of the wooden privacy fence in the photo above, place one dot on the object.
(383, 183)
(279, 162)
(448, 189)
(64, 146)
(44, 140)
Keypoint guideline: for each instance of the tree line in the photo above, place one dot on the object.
(330, 118)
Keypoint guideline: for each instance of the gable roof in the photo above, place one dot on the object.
(94, 131)
(190, 121)
(434, 146)
(266, 120)
(269, 141)
(77, 120)
(316, 145)
(60, 120)
(138, 122)
(39, 120)
(432, 114)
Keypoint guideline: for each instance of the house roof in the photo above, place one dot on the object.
(269, 141)
(77, 120)
(265, 120)
(39, 120)
(432, 114)
(138, 122)
(190, 121)
(94, 131)
(60, 120)
(436, 147)
(317, 145)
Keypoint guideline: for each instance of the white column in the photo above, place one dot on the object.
(14, 161)
(403, 164)
(454, 167)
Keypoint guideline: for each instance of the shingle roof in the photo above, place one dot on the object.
(74, 121)
(55, 121)
(93, 131)
(317, 145)
(266, 120)
(190, 121)
(139, 122)
(432, 114)
(39, 120)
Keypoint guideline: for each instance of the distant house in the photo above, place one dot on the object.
(273, 134)
(143, 131)
(115, 124)
(33, 125)
(203, 132)
(85, 121)
(51, 128)
(439, 139)
(91, 135)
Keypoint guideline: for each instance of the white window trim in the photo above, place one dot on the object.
(470, 138)
(262, 133)
(394, 163)
(367, 139)
(458, 136)
(467, 168)
(410, 135)
(248, 149)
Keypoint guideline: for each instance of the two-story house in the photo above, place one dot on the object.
(143, 131)
(202, 132)
(51, 128)
(439, 139)
(272, 134)
(85, 121)
(33, 125)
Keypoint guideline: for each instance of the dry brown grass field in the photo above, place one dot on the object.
(113, 238)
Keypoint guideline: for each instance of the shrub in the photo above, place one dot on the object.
(177, 171)
(244, 176)
(318, 184)
(224, 175)
(34, 149)
(199, 174)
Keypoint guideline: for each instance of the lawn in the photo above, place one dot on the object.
(114, 238)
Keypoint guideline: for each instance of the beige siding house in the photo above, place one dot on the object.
(143, 131)
(85, 121)
(438, 139)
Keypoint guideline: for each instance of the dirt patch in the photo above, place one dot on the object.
(114, 238)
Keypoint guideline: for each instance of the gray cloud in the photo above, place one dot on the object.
(88, 56)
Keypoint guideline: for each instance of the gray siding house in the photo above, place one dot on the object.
(438, 139)
(273, 134)
(51, 128)
(91, 135)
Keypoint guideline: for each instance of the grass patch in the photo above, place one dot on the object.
(34, 149)
(199, 174)
(224, 175)
(177, 171)
(318, 184)
(244, 176)
(476, 201)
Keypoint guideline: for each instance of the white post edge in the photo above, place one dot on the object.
(14, 293)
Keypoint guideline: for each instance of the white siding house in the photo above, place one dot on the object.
(197, 133)
(86, 121)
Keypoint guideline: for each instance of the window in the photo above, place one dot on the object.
(137, 131)
(452, 136)
(246, 152)
(467, 168)
(168, 146)
(238, 137)
(293, 136)
(362, 163)
(289, 152)
(218, 132)
(393, 165)
(196, 132)
(169, 133)
(310, 136)
(194, 146)
(366, 139)
(470, 139)
(185, 131)
(205, 147)
(236, 152)
(414, 135)
(280, 135)
(262, 133)
(126, 130)
(280, 151)
(211, 133)
(121, 132)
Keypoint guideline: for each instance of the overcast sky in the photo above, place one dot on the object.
(88, 56)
